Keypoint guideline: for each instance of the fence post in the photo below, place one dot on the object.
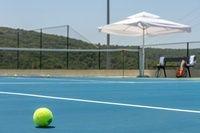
(18, 47)
(108, 60)
(67, 46)
(123, 61)
(99, 56)
(140, 61)
(40, 48)
(188, 49)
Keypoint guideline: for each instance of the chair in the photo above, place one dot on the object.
(191, 63)
(160, 66)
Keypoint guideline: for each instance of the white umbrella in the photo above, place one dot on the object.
(143, 24)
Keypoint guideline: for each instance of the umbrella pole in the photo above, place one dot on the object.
(143, 54)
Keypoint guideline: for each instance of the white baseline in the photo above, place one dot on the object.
(101, 102)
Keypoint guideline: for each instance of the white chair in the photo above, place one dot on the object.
(192, 61)
(160, 66)
(162, 61)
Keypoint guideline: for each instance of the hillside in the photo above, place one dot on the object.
(50, 60)
(53, 60)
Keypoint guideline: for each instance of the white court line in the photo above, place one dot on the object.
(99, 82)
(111, 79)
(54, 79)
(102, 102)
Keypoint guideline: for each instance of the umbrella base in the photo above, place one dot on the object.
(144, 76)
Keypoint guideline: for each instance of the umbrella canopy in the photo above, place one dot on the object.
(152, 24)
(144, 24)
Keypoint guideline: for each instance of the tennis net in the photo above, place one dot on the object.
(48, 58)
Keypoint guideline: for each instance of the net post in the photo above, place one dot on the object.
(18, 47)
(40, 48)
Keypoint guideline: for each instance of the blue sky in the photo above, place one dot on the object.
(87, 15)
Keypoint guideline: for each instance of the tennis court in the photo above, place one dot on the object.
(101, 105)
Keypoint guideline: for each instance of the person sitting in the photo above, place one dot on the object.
(182, 72)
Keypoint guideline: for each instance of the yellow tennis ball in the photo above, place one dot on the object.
(42, 117)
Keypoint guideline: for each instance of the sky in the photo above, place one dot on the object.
(85, 16)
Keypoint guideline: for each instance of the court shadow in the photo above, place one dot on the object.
(48, 127)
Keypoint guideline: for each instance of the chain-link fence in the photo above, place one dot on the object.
(59, 37)
(65, 37)
(181, 49)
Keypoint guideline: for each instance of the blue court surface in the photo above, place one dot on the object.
(101, 105)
